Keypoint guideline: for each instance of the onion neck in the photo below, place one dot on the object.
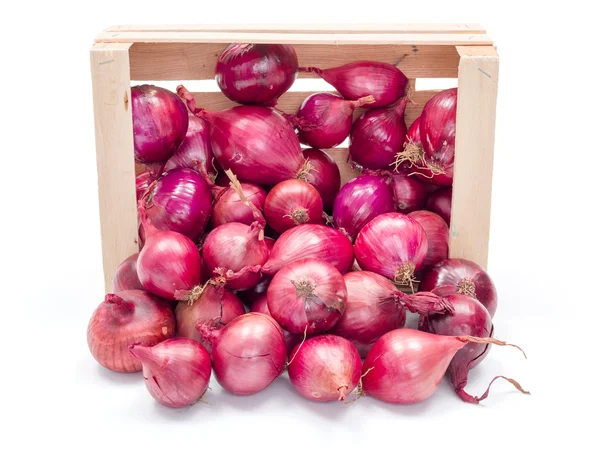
(119, 308)
(142, 353)
(343, 391)
(149, 229)
(190, 101)
(367, 100)
(400, 107)
(209, 331)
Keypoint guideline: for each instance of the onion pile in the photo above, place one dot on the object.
(260, 256)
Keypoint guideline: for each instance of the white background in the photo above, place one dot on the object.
(58, 406)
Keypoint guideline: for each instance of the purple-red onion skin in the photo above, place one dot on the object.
(249, 354)
(176, 371)
(126, 318)
(181, 201)
(324, 176)
(126, 277)
(311, 242)
(360, 201)
(160, 121)
(230, 208)
(389, 242)
(256, 74)
(461, 276)
(234, 246)
(258, 144)
(377, 136)
(308, 295)
(142, 183)
(260, 306)
(409, 193)
(371, 310)
(438, 236)
(406, 366)
(325, 119)
(195, 148)
(292, 203)
(437, 133)
(325, 368)
(440, 202)
(383, 81)
(215, 303)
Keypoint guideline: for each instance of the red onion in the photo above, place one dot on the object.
(143, 182)
(360, 201)
(256, 74)
(371, 310)
(160, 121)
(406, 366)
(410, 194)
(377, 136)
(125, 318)
(440, 202)
(195, 149)
(393, 245)
(383, 81)
(469, 317)
(325, 368)
(261, 306)
(324, 119)
(438, 236)
(461, 276)
(215, 302)
(291, 203)
(258, 144)
(311, 242)
(126, 277)
(437, 127)
(176, 371)
(308, 295)
(324, 175)
(181, 201)
(230, 208)
(169, 263)
(247, 354)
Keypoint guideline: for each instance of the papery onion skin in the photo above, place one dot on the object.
(176, 371)
(236, 247)
(371, 310)
(409, 193)
(393, 245)
(142, 183)
(126, 277)
(251, 295)
(311, 241)
(324, 175)
(325, 368)
(230, 208)
(256, 74)
(383, 81)
(377, 136)
(125, 318)
(160, 121)
(308, 295)
(261, 306)
(169, 263)
(214, 303)
(258, 144)
(248, 354)
(292, 203)
(360, 201)
(440, 202)
(461, 276)
(406, 366)
(469, 317)
(195, 148)
(181, 201)
(438, 236)
(324, 119)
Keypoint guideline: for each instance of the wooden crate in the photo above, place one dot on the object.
(177, 53)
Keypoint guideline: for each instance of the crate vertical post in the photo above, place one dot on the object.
(114, 149)
(473, 164)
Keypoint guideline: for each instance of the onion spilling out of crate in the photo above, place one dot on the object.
(255, 259)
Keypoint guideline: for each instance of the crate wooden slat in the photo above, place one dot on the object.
(180, 61)
(175, 53)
